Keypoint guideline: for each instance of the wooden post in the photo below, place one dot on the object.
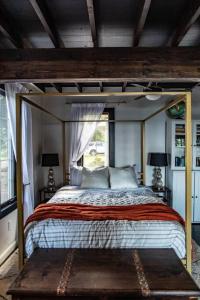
(19, 180)
(188, 181)
(64, 153)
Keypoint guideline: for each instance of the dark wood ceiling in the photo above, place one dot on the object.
(99, 23)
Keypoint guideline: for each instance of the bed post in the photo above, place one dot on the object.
(188, 181)
(64, 154)
(19, 180)
(143, 152)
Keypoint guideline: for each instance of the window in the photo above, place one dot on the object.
(97, 152)
(7, 162)
(100, 150)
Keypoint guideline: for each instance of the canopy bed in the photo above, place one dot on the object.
(179, 97)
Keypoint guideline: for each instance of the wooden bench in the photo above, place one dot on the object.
(103, 274)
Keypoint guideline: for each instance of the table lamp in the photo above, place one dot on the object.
(50, 160)
(158, 160)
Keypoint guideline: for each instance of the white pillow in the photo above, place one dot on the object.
(122, 178)
(76, 175)
(95, 179)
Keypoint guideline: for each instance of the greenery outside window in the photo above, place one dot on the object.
(97, 152)
(100, 151)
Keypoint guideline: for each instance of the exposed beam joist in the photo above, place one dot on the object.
(91, 15)
(190, 15)
(79, 87)
(8, 30)
(142, 16)
(2, 89)
(124, 85)
(34, 87)
(57, 86)
(45, 18)
(100, 64)
(101, 86)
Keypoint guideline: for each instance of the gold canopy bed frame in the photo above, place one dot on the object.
(179, 96)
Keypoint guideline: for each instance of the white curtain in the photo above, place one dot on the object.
(81, 133)
(27, 149)
(27, 160)
(11, 90)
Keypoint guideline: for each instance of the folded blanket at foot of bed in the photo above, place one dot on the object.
(65, 211)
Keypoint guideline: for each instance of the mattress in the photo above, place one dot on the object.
(57, 233)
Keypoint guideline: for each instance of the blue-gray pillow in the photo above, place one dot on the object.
(122, 178)
(95, 179)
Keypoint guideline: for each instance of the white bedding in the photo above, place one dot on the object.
(56, 233)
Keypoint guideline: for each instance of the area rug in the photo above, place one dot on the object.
(196, 262)
(9, 270)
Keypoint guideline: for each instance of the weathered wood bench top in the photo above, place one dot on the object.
(97, 273)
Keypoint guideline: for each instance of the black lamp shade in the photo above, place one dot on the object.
(50, 160)
(158, 159)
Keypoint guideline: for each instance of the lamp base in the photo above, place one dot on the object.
(157, 179)
(51, 182)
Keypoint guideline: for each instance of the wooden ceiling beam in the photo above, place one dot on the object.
(79, 87)
(190, 15)
(144, 6)
(91, 15)
(100, 64)
(44, 15)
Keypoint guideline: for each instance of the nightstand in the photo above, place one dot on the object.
(46, 195)
(165, 194)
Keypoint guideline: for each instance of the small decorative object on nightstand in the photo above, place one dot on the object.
(158, 160)
(165, 194)
(50, 160)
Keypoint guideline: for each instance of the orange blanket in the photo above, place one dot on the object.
(139, 212)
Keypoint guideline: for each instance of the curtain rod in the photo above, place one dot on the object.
(102, 121)
(92, 102)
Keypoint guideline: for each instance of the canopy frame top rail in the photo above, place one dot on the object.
(180, 97)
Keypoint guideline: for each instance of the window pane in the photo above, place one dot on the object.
(6, 156)
(97, 153)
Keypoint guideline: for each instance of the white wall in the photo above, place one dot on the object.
(52, 143)
(155, 141)
(127, 139)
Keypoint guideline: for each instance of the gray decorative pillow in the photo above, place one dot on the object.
(95, 179)
(76, 175)
(122, 178)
